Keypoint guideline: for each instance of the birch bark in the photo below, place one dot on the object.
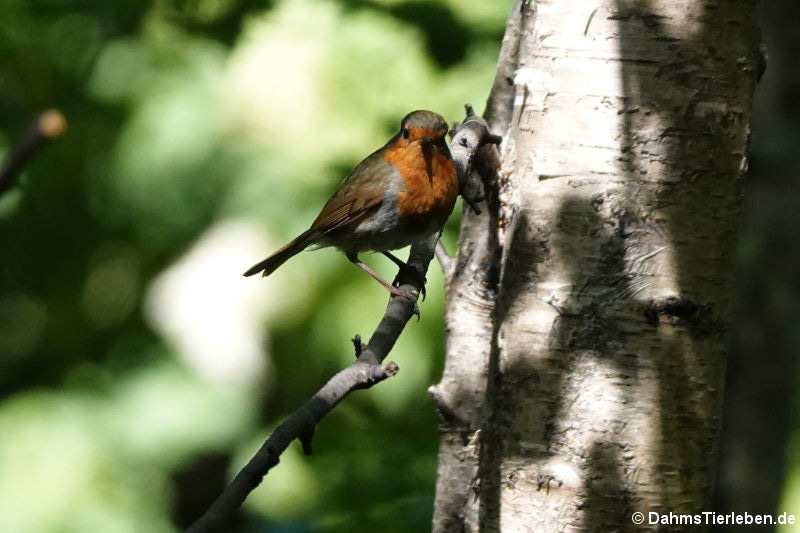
(588, 308)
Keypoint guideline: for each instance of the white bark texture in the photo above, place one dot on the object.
(588, 307)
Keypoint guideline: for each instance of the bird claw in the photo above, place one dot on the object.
(410, 275)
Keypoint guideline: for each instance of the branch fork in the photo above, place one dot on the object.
(473, 147)
(368, 368)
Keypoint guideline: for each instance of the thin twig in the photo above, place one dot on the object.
(364, 372)
(367, 370)
(46, 127)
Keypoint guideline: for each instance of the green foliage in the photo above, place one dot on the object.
(202, 134)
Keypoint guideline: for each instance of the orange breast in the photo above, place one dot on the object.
(431, 184)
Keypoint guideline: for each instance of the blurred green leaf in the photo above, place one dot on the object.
(184, 116)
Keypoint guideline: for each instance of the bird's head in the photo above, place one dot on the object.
(424, 126)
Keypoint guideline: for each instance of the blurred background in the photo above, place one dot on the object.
(138, 369)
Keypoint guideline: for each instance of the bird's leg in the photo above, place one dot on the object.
(405, 272)
(394, 291)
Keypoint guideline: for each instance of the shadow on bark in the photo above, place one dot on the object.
(698, 210)
(584, 341)
(684, 195)
(502, 406)
(609, 503)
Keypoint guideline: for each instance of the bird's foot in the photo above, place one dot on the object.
(409, 274)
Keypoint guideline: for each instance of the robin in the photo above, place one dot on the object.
(401, 193)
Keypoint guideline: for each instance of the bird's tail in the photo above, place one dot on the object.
(272, 262)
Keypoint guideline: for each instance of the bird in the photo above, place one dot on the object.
(401, 193)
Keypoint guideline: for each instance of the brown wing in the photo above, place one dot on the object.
(358, 194)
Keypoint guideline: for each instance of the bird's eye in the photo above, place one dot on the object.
(405, 133)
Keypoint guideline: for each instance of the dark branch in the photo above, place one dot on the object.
(467, 140)
(46, 127)
(356, 340)
(367, 370)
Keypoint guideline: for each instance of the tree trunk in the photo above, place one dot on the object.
(588, 309)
